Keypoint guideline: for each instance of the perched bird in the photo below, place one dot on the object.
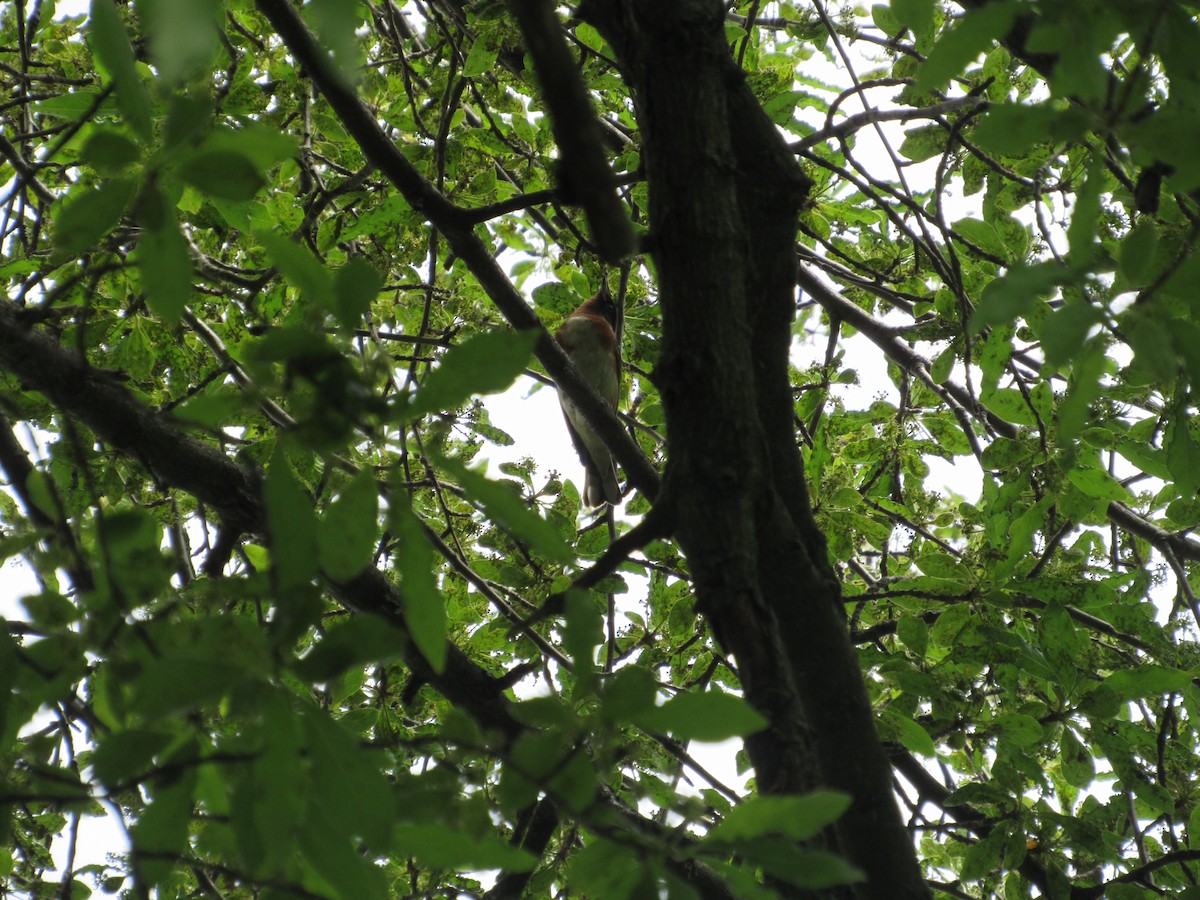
(589, 338)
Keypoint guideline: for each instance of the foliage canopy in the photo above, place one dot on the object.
(261, 263)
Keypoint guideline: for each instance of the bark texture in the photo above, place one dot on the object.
(724, 199)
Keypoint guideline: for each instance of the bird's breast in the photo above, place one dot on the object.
(592, 357)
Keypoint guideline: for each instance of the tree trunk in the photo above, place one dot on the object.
(724, 198)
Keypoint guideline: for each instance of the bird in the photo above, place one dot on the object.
(589, 338)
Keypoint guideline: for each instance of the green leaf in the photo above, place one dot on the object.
(161, 832)
(1085, 218)
(480, 60)
(983, 235)
(1014, 294)
(1183, 452)
(885, 20)
(1023, 529)
(1059, 640)
(574, 784)
(109, 151)
(448, 848)
(350, 875)
(50, 609)
(114, 53)
(269, 797)
(1099, 484)
(974, 34)
(1012, 406)
(993, 355)
(504, 505)
(183, 35)
(703, 716)
(265, 147)
(1155, 796)
(914, 633)
(590, 37)
(346, 786)
(532, 755)
(608, 869)
(1012, 129)
(983, 856)
(302, 269)
(1185, 338)
(169, 687)
(1065, 330)
(291, 526)
(1138, 250)
(8, 710)
(815, 870)
(76, 104)
(781, 108)
(391, 214)
(1184, 513)
(909, 732)
(348, 531)
(223, 174)
(165, 265)
(1005, 453)
(1120, 891)
(798, 818)
(1148, 680)
(1023, 730)
(1077, 765)
(486, 363)
(424, 608)
(1086, 371)
(924, 142)
(124, 754)
(41, 490)
(916, 14)
(950, 623)
(628, 694)
(1163, 137)
(355, 287)
(88, 214)
(292, 344)
(335, 22)
(942, 565)
(358, 640)
(1152, 340)
(137, 355)
(556, 297)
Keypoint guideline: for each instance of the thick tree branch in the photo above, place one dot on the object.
(531, 835)
(851, 124)
(183, 462)
(654, 526)
(1179, 544)
(965, 409)
(724, 198)
(585, 177)
(17, 466)
(481, 214)
(106, 407)
(961, 403)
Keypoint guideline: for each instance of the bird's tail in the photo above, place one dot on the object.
(600, 485)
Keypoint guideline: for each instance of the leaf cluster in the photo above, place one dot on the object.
(1002, 289)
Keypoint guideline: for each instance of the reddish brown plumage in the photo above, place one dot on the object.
(588, 337)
